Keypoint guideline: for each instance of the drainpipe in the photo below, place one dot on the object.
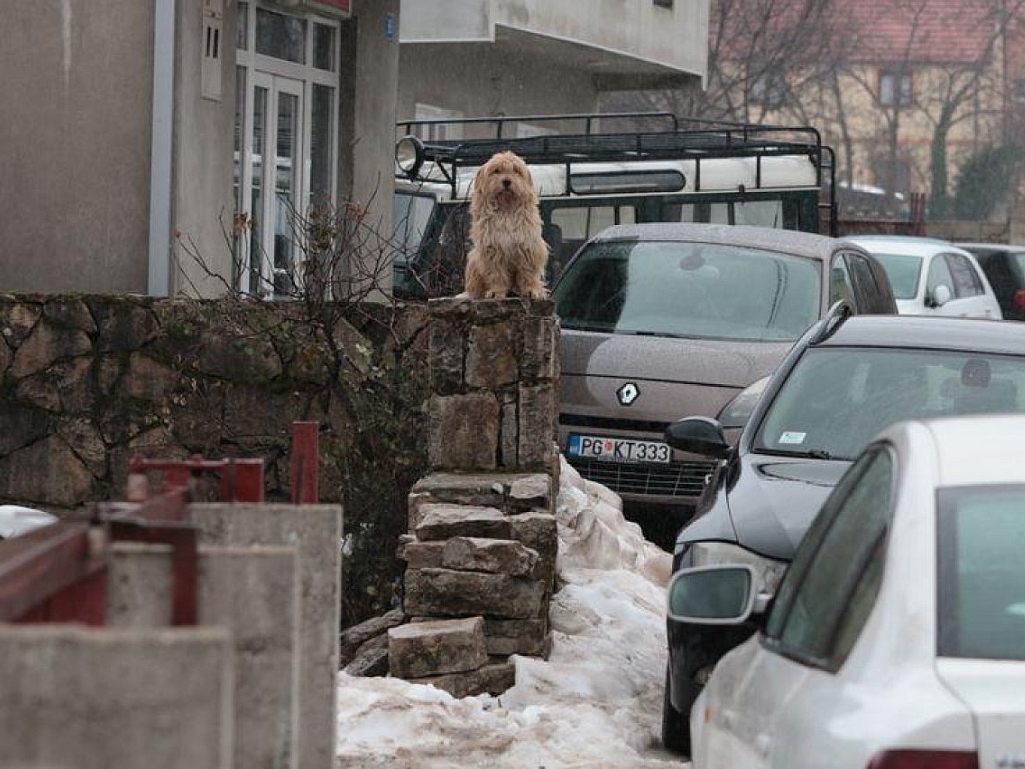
(159, 280)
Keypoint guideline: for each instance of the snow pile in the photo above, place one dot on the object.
(596, 702)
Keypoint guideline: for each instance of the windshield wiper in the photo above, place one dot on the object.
(810, 453)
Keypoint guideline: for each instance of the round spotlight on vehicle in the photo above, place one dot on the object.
(409, 155)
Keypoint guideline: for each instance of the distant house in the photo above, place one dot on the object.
(167, 146)
(905, 90)
(468, 58)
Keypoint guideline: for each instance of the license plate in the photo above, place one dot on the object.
(618, 449)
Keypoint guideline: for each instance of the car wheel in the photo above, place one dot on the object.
(675, 725)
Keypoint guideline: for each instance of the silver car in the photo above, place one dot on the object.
(661, 321)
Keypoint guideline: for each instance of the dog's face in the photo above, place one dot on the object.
(505, 180)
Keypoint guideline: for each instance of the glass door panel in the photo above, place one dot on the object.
(287, 214)
(257, 202)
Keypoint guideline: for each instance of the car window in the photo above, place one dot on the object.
(981, 572)
(966, 280)
(939, 275)
(836, 399)
(821, 615)
(864, 281)
(903, 272)
(695, 290)
(840, 285)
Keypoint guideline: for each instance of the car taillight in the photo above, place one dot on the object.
(924, 759)
(1019, 299)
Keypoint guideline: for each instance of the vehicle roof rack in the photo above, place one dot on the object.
(668, 137)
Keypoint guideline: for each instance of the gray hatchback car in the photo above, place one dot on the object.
(665, 320)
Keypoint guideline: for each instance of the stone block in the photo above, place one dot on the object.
(252, 592)
(315, 531)
(116, 698)
(539, 532)
(463, 432)
(446, 357)
(540, 349)
(371, 658)
(483, 489)
(496, 556)
(539, 412)
(423, 555)
(510, 492)
(509, 436)
(436, 647)
(491, 361)
(442, 521)
(517, 636)
(490, 679)
(531, 493)
(351, 639)
(450, 593)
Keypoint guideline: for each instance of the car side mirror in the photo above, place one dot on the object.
(699, 435)
(714, 595)
(940, 295)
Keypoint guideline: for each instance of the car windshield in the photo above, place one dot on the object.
(981, 574)
(836, 399)
(697, 290)
(903, 272)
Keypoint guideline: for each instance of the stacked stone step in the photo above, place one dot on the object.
(480, 556)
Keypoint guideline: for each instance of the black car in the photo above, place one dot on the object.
(845, 380)
(1005, 269)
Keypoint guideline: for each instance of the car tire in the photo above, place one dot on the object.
(675, 725)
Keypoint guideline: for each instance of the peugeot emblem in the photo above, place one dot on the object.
(628, 393)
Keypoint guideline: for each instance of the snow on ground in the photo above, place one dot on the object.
(596, 702)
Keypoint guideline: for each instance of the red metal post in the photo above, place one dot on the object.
(305, 462)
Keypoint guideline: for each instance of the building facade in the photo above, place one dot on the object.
(178, 146)
(469, 58)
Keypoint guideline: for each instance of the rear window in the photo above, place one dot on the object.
(903, 272)
(696, 290)
(981, 573)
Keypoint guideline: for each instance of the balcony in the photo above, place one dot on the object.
(622, 44)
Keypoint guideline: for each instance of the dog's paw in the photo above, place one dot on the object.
(537, 293)
(495, 294)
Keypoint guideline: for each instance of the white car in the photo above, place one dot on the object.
(932, 277)
(897, 637)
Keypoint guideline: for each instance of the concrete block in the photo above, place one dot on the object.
(436, 647)
(254, 593)
(116, 698)
(315, 531)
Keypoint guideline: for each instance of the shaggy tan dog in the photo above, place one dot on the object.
(509, 254)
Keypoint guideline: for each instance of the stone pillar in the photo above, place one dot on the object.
(494, 368)
(481, 551)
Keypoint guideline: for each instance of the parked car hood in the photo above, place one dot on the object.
(774, 500)
(668, 359)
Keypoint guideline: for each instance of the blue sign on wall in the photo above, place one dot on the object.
(389, 26)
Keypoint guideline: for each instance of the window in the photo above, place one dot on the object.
(840, 285)
(966, 280)
(895, 89)
(868, 289)
(939, 275)
(829, 589)
(285, 148)
(903, 271)
(981, 574)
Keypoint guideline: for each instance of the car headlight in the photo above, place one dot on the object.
(769, 571)
(737, 411)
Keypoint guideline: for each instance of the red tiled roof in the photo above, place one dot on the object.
(921, 31)
(877, 31)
